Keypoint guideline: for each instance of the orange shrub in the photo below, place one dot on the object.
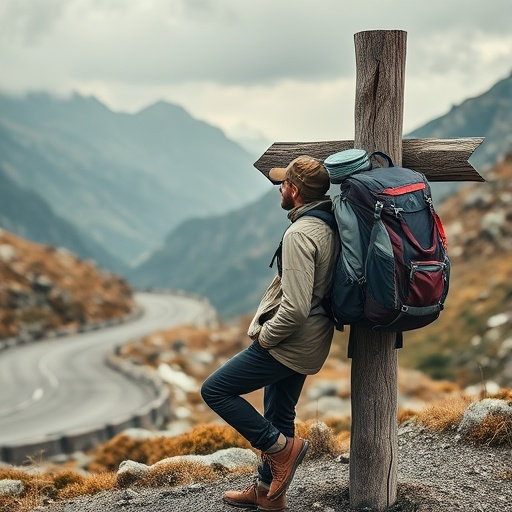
(444, 415)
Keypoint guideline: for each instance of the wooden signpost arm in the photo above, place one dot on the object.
(437, 159)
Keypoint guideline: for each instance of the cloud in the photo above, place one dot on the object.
(237, 43)
(27, 21)
(282, 66)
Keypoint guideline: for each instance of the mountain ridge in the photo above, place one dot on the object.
(126, 179)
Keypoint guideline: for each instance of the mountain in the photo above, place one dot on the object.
(488, 115)
(205, 256)
(26, 214)
(225, 258)
(125, 179)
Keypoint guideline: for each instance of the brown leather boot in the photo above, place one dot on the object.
(283, 465)
(255, 497)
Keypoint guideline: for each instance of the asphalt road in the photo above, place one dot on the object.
(62, 384)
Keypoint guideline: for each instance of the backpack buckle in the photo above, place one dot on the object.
(378, 210)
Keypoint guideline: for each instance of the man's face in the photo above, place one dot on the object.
(286, 189)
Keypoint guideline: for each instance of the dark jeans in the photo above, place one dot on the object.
(254, 368)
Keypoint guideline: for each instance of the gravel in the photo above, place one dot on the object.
(436, 473)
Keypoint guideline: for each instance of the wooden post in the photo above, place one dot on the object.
(380, 59)
(380, 63)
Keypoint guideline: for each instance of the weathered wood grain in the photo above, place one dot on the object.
(380, 64)
(438, 159)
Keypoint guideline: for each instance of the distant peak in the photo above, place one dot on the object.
(164, 107)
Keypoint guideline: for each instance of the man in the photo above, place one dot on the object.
(291, 335)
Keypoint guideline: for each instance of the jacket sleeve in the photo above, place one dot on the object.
(298, 276)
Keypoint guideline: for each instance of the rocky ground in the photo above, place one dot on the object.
(437, 473)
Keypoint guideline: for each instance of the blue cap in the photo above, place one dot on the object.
(344, 163)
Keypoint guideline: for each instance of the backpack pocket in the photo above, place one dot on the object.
(381, 300)
(347, 293)
(380, 267)
(427, 283)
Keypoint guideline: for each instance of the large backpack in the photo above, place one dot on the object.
(393, 270)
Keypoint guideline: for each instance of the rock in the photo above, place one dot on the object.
(490, 387)
(11, 487)
(177, 378)
(492, 224)
(229, 458)
(497, 320)
(343, 458)
(7, 253)
(505, 348)
(130, 471)
(321, 387)
(478, 200)
(327, 406)
(477, 411)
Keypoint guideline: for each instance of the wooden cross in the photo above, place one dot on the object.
(380, 78)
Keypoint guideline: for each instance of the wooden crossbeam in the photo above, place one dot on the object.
(437, 159)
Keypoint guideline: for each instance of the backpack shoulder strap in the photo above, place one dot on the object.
(326, 216)
(386, 157)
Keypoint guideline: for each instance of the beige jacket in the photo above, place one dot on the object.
(290, 319)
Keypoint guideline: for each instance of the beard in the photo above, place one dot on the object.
(287, 203)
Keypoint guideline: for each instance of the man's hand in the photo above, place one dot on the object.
(262, 344)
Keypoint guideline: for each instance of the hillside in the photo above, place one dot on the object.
(472, 340)
(488, 115)
(46, 289)
(125, 179)
(25, 213)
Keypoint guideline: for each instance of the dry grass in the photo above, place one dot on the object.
(323, 440)
(50, 483)
(202, 440)
(54, 483)
(444, 415)
(493, 430)
(502, 394)
(406, 415)
(89, 485)
(176, 473)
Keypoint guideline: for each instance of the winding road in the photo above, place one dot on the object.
(58, 385)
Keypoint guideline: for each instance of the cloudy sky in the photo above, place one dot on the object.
(282, 68)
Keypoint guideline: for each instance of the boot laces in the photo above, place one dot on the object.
(276, 469)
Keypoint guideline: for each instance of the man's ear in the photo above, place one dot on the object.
(295, 191)
(296, 197)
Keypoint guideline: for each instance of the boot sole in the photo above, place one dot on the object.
(261, 509)
(238, 504)
(298, 460)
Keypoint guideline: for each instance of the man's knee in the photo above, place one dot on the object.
(208, 392)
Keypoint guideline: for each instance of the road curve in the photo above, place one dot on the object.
(63, 384)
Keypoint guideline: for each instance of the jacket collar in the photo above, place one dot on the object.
(323, 204)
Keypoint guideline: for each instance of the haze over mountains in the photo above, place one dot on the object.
(166, 194)
(125, 180)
